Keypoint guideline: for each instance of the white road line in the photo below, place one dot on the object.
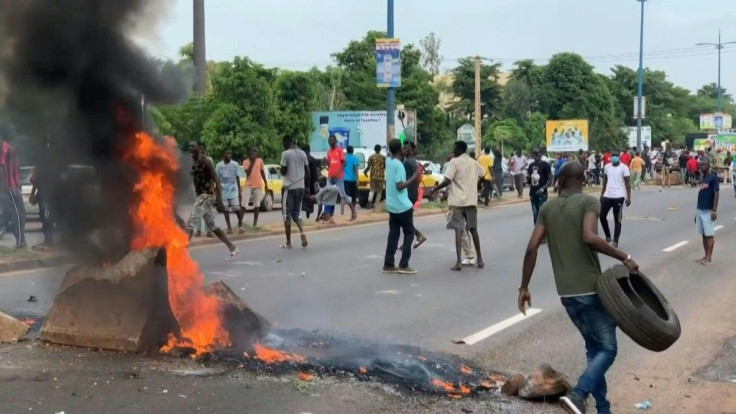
(675, 246)
(485, 333)
(718, 227)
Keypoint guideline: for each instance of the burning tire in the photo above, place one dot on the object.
(639, 308)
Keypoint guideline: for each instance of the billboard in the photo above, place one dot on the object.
(646, 136)
(716, 120)
(358, 128)
(388, 63)
(567, 135)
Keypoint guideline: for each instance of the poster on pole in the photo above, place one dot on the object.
(388, 63)
(359, 128)
(567, 135)
(646, 136)
(716, 120)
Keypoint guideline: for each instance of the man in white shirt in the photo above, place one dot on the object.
(518, 166)
(593, 168)
(615, 193)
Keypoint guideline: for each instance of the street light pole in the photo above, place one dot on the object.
(719, 46)
(200, 54)
(640, 87)
(391, 93)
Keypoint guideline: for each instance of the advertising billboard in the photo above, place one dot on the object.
(358, 128)
(567, 135)
(646, 136)
(388, 63)
(716, 120)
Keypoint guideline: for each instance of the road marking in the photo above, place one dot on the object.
(718, 227)
(491, 330)
(675, 246)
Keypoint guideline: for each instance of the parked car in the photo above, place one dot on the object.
(275, 184)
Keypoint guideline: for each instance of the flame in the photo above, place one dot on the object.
(455, 396)
(29, 321)
(155, 226)
(362, 370)
(450, 388)
(447, 386)
(304, 376)
(269, 355)
(463, 389)
(465, 369)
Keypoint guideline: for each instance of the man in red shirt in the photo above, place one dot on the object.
(606, 157)
(335, 171)
(14, 212)
(625, 157)
(692, 170)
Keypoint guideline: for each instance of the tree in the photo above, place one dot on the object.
(463, 87)
(431, 58)
(296, 97)
(506, 135)
(519, 99)
(710, 90)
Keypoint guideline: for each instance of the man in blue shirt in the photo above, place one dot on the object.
(350, 179)
(229, 173)
(400, 211)
(706, 214)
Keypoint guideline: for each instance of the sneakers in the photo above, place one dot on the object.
(615, 245)
(469, 262)
(407, 271)
(608, 239)
(390, 269)
(573, 404)
(234, 254)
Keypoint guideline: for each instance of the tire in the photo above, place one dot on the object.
(267, 203)
(638, 308)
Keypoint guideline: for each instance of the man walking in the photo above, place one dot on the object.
(209, 195)
(351, 179)
(486, 162)
(400, 212)
(14, 211)
(295, 174)
(336, 172)
(539, 178)
(569, 223)
(462, 177)
(518, 166)
(707, 209)
(637, 171)
(497, 171)
(615, 193)
(229, 173)
(255, 183)
(376, 168)
(313, 184)
(411, 166)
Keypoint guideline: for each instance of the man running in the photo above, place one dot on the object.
(411, 166)
(615, 193)
(14, 211)
(209, 195)
(707, 209)
(569, 223)
(295, 173)
(350, 178)
(255, 182)
(376, 166)
(486, 162)
(229, 173)
(336, 172)
(539, 177)
(462, 177)
(637, 171)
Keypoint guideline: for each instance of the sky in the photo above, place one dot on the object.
(299, 34)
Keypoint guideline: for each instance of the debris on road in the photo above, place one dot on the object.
(545, 381)
(244, 325)
(644, 405)
(11, 329)
(32, 299)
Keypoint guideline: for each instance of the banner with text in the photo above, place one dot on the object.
(567, 135)
(646, 136)
(358, 128)
(716, 120)
(388, 63)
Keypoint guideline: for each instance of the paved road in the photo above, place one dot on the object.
(336, 285)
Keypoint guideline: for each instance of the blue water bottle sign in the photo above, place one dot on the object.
(388, 63)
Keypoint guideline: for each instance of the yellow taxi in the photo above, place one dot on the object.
(275, 184)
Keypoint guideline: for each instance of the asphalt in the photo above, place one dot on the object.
(336, 286)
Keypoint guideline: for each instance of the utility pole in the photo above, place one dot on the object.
(391, 93)
(720, 45)
(641, 79)
(200, 54)
(477, 115)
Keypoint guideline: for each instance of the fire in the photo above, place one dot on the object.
(269, 355)
(304, 376)
(447, 386)
(362, 370)
(465, 369)
(451, 389)
(29, 321)
(155, 226)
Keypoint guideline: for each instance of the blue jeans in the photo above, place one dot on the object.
(599, 332)
(537, 202)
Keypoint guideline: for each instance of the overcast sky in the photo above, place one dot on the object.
(299, 34)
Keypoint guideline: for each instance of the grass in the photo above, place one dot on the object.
(10, 252)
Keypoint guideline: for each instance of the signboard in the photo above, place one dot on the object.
(643, 107)
(567, 135)
(646, 136)
(388, 63)
(358, 128)
(466, 133)
(716, 120)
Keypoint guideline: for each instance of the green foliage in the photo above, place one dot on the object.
(463, 86)
(506, 134)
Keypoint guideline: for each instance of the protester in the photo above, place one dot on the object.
(411, 166)
(13, 209)
(351, 179)
(312, 187)
(497, 171)
(707, 209)
(539, 178)
(647, 156)
(637, 171)
(295, 174)
(255, 182)
(376, 166)
(682, 163)
(693, 171)
(625, 157)
(615, 193)
(229, 173)
(209, 195)
(336, 172)
(38, 192)
(401, 214)
(606, 158)
(569, 223)
(203, 150)
(518, 166)
(486, 162)
(326, 200)
(462, 177)
(665, 161)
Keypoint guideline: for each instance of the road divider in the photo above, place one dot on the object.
(675, 246)
(494, 329)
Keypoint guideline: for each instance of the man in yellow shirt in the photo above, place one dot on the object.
(486, 163)
(636, 165)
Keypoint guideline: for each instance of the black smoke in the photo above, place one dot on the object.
(72, 85)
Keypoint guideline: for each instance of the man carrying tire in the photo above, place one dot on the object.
(569, 224)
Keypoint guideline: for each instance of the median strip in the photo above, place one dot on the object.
(494, 329)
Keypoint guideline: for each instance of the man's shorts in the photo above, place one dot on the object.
(203, 209)
(460, 218)
(704, 224)
(377, 185)
(351, 189)
(253, 195)
(231, 204)
(291, 204)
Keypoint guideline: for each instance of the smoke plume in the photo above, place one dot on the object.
(72, 84)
